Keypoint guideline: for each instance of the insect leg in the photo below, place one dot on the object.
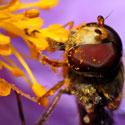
(18, 91)
(70, 24)
(54, 63)
(50, 92)
(115, 103)
(48, 112)
(20, 108)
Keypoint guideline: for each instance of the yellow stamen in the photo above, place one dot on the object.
(24, 64)
(37, 88)
(5, 88)
(6, 65)
(9, 5)
(43, 4)
(12, 63)
(15, 5)
(14, 70)
(34, 99)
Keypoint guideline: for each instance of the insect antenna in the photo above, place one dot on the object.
(101, 19)
(108, 15)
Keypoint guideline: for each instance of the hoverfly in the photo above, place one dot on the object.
(92, 66)
(92, 70)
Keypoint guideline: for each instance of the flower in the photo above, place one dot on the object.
(27, 25)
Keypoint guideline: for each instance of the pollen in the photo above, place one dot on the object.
(86, 119)
(28, 25)
(5, 88)
(32, 13)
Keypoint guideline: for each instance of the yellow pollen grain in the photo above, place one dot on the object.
(86, 119)
(32, 13)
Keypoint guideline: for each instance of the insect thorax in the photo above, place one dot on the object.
(91, 92)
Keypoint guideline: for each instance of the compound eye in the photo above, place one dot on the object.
(92, 57)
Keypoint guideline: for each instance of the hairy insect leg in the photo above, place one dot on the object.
(54, 63)
(20, 109)
(51, 107)
(18, 91)
(70, 24)
(48, 112)
(50, 92)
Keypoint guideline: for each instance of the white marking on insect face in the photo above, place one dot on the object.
(90, 35)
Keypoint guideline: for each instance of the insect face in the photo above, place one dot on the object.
(95, 50)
